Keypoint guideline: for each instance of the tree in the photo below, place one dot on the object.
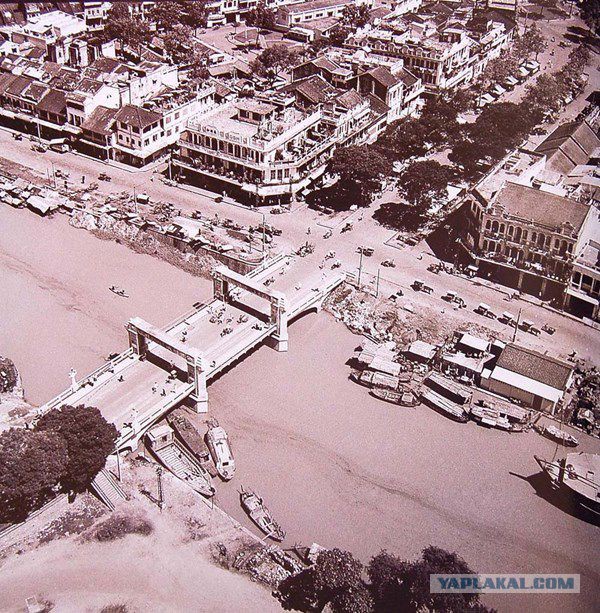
(199, 67)
(590, 12)
(335, 579)
(547, 93)
(579, 58)
(261, 17)
(424, 182)
(90, 439)
(530, 42)
(400, 216)
(408, 582)
(31, 465)
(178, 45)
(499, 69)
(166, 15)
(120, 25)
(273, 60)
(405, 139)
(361, 170)
(338, 35)
(356, 16)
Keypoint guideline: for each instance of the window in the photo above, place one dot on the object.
(146, 142)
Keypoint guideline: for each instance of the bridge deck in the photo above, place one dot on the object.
(124, 390)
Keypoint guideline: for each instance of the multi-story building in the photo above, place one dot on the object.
(443, 53)
(296, 14)
(95, 13)
(268, 151)
(144, 133)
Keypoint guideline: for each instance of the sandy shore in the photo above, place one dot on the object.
(335, 465)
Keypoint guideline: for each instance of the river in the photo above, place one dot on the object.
(335, 465)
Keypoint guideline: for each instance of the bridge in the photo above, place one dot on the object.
(164, 367)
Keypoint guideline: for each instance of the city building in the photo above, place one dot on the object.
(268, 151)
(295, 14)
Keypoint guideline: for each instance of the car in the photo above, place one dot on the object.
(104, 177)
(366, 251)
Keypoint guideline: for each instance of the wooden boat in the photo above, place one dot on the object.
(119, 291)
(177, 459)
(448, 388)
(404, 398)
(577, 475)
(220, 450)
(374, 378)
(444, 406)
(493, 418)
(558, 435)
(191, 438)
(260, 515)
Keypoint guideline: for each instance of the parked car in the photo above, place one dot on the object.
(366, 251)
(485, 310)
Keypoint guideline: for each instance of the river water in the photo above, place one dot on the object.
(335, 465)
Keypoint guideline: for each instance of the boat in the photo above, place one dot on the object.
(178, 460)
(576, 475)
(374, 378)
(444, 406)
(220, 450)
(260, 515)
(558, 435)
(448, 388)
(119, 291)
(493, 418)
(191, 438)
(403, 398)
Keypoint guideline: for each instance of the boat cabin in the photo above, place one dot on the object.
(159, 437)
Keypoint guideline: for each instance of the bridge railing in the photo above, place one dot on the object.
(106, 367)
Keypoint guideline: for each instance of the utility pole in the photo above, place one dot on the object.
(360, 267)
(263, 233)
(161, 500)
(118, 465)
(517, 326)
(377, 286)
(53, 174)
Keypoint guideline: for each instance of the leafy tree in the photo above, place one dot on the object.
(531, 42)
(579, 58)
(178, 45)
(273, 60)
(120, 25)
(31, 465)
(405, 139)
(166, 15)
(335, 579)
(413, 592)
(499, 69)
(467, 155)
(590, 12)
(508, 122)
(338, 35)
(90, 439)
(547, 93)
(424, 182)
(199, 66)
(361, 170)
(261, 17)
(356, 16)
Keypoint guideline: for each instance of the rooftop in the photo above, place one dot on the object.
(534, 365)
(136, 116)
(540, 207)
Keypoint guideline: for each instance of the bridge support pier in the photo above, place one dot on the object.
(197, 375)
(137, 341)
(279, 340)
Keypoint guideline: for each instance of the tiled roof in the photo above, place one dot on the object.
(136, 116)
(568, 146)
(100, 120)
(541, 207)
(55, 101)
(314, 88)
(534, 365)
(350, 99)
(18, 85)
(384, 76)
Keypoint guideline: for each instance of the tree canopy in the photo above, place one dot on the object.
(424, 182)
(127, 30)
(273, 60)
(261, 17)
(191, 13)
(178, 44)
(531, 42)
(31, 465)
(89, 438)
(356, 16)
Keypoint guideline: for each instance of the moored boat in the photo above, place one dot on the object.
(493, 418)
(558, 435)
(260, 515)
(191, 438)
(404, 398)
(177, 459)
(220, 450)
(577, 475)
(444, 406)
(375, 379)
